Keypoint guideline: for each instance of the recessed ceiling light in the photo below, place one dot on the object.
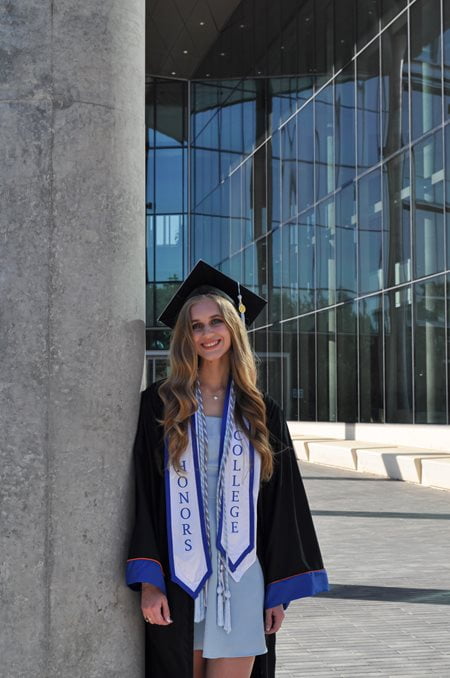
(202, 23)
(222, 54)
(242, 26)
(208, 74)
(174, 72)
(185, 51)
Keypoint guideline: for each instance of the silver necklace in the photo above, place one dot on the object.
(214, 396)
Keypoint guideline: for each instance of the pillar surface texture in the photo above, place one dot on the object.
(72, 287)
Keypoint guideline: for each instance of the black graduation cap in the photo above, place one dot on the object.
(204, 279)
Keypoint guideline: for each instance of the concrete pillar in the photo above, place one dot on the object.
(71, 332)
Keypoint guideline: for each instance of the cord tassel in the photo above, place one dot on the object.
(199, 607)
(227, 621)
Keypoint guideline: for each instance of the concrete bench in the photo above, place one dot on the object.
(399, 463)
(301, 445)
(341, 453)
(436, 472)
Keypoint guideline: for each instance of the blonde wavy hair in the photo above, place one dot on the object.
(178, 391)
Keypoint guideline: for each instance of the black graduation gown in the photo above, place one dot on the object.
(287, 546)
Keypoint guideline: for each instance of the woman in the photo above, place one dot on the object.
(223, 538)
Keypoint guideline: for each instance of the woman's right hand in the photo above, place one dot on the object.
(154, 605)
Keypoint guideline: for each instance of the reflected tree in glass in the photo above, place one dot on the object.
(397, 220)
(398, 352)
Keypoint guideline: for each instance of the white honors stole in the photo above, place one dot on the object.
(239, 466)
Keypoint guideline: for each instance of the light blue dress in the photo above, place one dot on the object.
(247, 596)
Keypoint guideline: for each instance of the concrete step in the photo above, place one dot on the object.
(436, 472)
(340, 453)
(301, 445)
(400, 463)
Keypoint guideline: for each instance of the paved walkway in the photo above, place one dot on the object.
(386, 546)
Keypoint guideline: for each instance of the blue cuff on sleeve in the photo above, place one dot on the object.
(141, 570)
(298, 586)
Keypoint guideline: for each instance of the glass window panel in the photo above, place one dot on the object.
(368, 106)
(290, 367)
(261, 281)
(305, 157)
(346, 365)
(306, 265)
(447, 190)
(396, 220)
(326, 366)
(274, 281)
(208, 135)
(289, 272)
(446, 60)
(370, 273)
(250, 277)
(273, 181)
(394, 86)
(150, 249)
(367, 20)
(398, 351)
(231, 128)
(346, 234)
(248, 125)
(150, 180)
(150, 319)
(324, 142)
(260, 349)
(326, 253)
(307, 368)
(430, 386)
(275, 364)
(169, 180)
(345, 125)
(169, 246)
(236, 210)
(163, 294)
(259, 191)
(289, 170)
(247, 202)
(428, 215)
(371, 400)
(426, 95)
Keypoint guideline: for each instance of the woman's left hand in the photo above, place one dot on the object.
(274, 618)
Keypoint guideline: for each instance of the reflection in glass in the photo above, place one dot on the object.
(428, 216)
(260, 348)
(346, 234)
(289, 272)
(324, 25)
(368, 103)
(391, 8)
(274, 275)
(236, 210)
(168, 247)
(429, 352)
(367, 20)
(371, 407)
(290, 365)
(306, 267)
(305, 157)
(150, 249)
(324, 142)
(446, 60)
(370, 272)
(347, 369)
(394, 86)
(344, 112)
(307, 368)
(247, 202)
(397, 332)
(447, 190)
(326, 253)
(273, 181)
(426, 82)
(289, 170)
(275, 363)
(326, 366)
(169, 180)
(397, 226)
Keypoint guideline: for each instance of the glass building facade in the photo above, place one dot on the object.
(309, 156)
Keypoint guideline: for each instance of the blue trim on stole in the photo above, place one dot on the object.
(140, 570)
(173, 576)
(298, 586)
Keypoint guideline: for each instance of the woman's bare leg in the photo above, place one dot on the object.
(230, 667)
(199, 664)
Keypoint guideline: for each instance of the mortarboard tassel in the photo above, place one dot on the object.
(241, 307)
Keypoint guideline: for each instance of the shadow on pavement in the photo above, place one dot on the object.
(388, 593)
